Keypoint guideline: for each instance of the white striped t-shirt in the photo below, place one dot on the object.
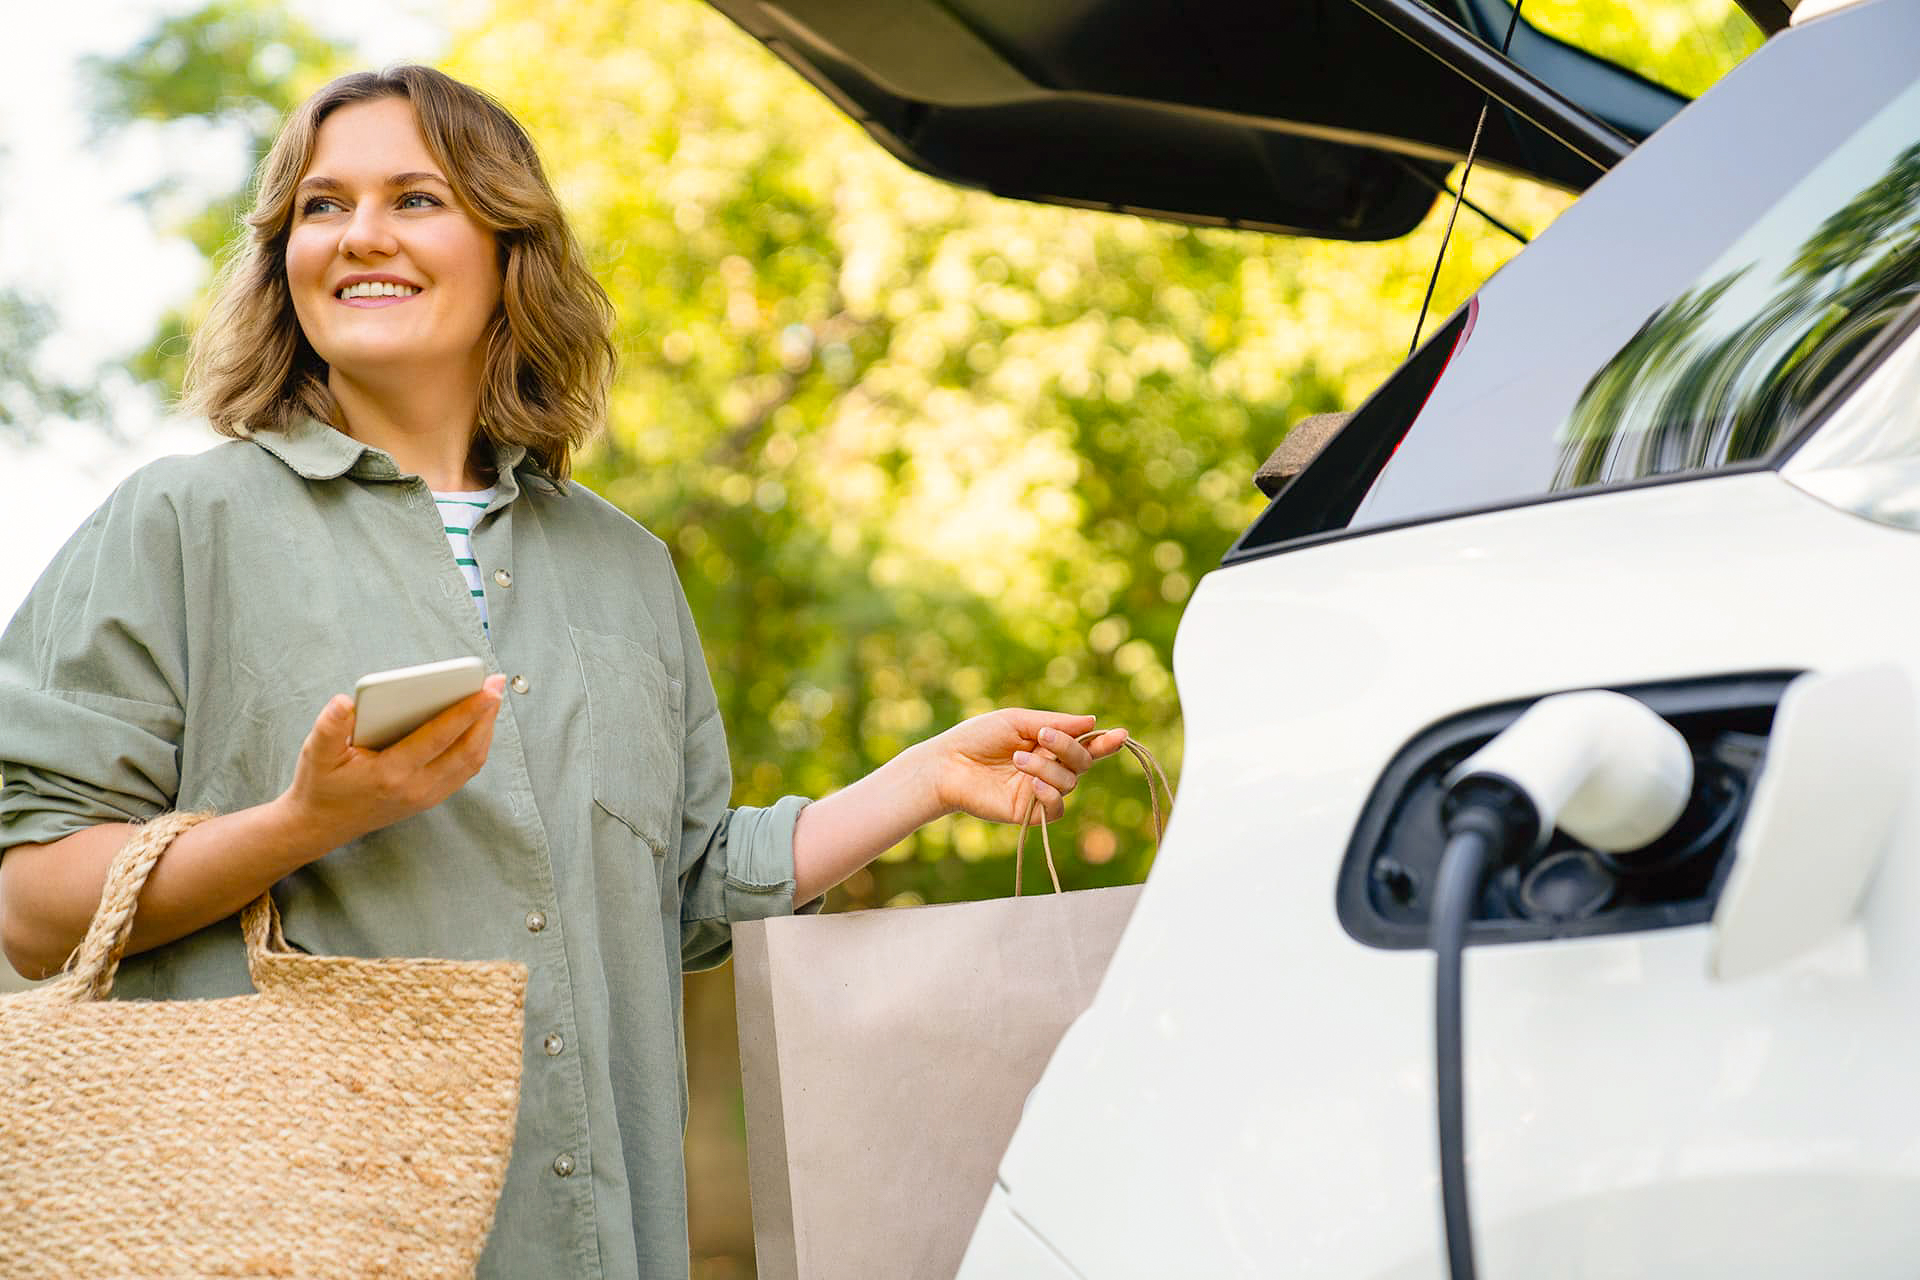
(458, 512)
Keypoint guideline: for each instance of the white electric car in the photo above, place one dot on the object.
(1672, 450)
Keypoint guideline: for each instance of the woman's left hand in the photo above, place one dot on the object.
(993, 765)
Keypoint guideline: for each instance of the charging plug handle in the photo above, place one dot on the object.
(1600, 766)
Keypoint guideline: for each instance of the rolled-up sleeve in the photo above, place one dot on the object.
(92, 685)
(735, 863)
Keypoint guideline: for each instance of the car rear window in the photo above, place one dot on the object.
(1724, 370)
(1679, 319)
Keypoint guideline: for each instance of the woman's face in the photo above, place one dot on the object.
(373, 206)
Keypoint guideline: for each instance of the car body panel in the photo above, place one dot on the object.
(1251, 1091)
(1003, 1245)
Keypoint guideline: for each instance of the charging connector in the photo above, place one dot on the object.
(1598, 765)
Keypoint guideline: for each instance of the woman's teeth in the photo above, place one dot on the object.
(377, 289)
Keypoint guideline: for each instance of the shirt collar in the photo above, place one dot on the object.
(316, 451)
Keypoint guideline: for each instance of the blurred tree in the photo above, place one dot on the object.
(236, 65)
(1684, 44)
(1878, 224)
(919, 451)
(28, 394)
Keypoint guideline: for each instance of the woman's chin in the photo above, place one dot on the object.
(383, 362)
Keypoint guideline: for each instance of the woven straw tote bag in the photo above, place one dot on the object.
(352, 1118)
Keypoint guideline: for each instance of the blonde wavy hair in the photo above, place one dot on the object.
(550, 354)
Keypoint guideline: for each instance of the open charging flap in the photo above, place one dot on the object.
(1839, 765)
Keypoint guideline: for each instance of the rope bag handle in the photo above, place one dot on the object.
(89, 971)
(1149, 767)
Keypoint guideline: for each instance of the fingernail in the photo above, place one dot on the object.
(1038, 787)
(1046, 735)
(1022, 758)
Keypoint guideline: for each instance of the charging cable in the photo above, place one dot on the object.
(1600, 766)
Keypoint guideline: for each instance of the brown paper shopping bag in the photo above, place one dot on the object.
(886, 1056)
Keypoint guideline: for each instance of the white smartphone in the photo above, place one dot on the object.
(389, 705)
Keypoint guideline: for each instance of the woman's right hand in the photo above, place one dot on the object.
(342, 792)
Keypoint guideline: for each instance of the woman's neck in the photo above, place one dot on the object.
(428, 430)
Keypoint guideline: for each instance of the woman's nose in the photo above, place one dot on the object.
(368, 234)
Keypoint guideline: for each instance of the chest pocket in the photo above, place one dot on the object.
(633, 707)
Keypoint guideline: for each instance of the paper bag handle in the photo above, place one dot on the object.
(1149, 766)
(89, 971)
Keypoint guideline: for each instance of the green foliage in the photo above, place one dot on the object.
(921, 452)
(1878, 224)
(28, 395)
(240, 65)
(1683, 44)
(230, 62)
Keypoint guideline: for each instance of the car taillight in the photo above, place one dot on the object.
(1865, 458)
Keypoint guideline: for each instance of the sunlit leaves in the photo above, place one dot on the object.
(920, 452)
(234, 65)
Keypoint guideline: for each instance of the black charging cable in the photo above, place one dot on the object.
(1487, 820)
(1600, 767)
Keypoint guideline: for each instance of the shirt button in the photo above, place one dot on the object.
(536, 921)
(554, 1043)
(520, 684)
(502, 577)
(563, 1165)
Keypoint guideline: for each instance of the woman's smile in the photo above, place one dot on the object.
(375, 291)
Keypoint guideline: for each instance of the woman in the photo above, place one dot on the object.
(411, 331)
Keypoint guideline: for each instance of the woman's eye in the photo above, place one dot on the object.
(312, 206)
(417, 195)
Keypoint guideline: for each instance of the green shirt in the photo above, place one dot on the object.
(176, 654)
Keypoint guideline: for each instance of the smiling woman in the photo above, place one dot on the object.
(413, 179)
(407, 350)
(371, 198)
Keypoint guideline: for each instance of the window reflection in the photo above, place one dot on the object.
(1720, 374)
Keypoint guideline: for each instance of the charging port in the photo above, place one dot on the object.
(1386, 886)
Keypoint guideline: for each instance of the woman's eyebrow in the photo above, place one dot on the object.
(322, 183)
